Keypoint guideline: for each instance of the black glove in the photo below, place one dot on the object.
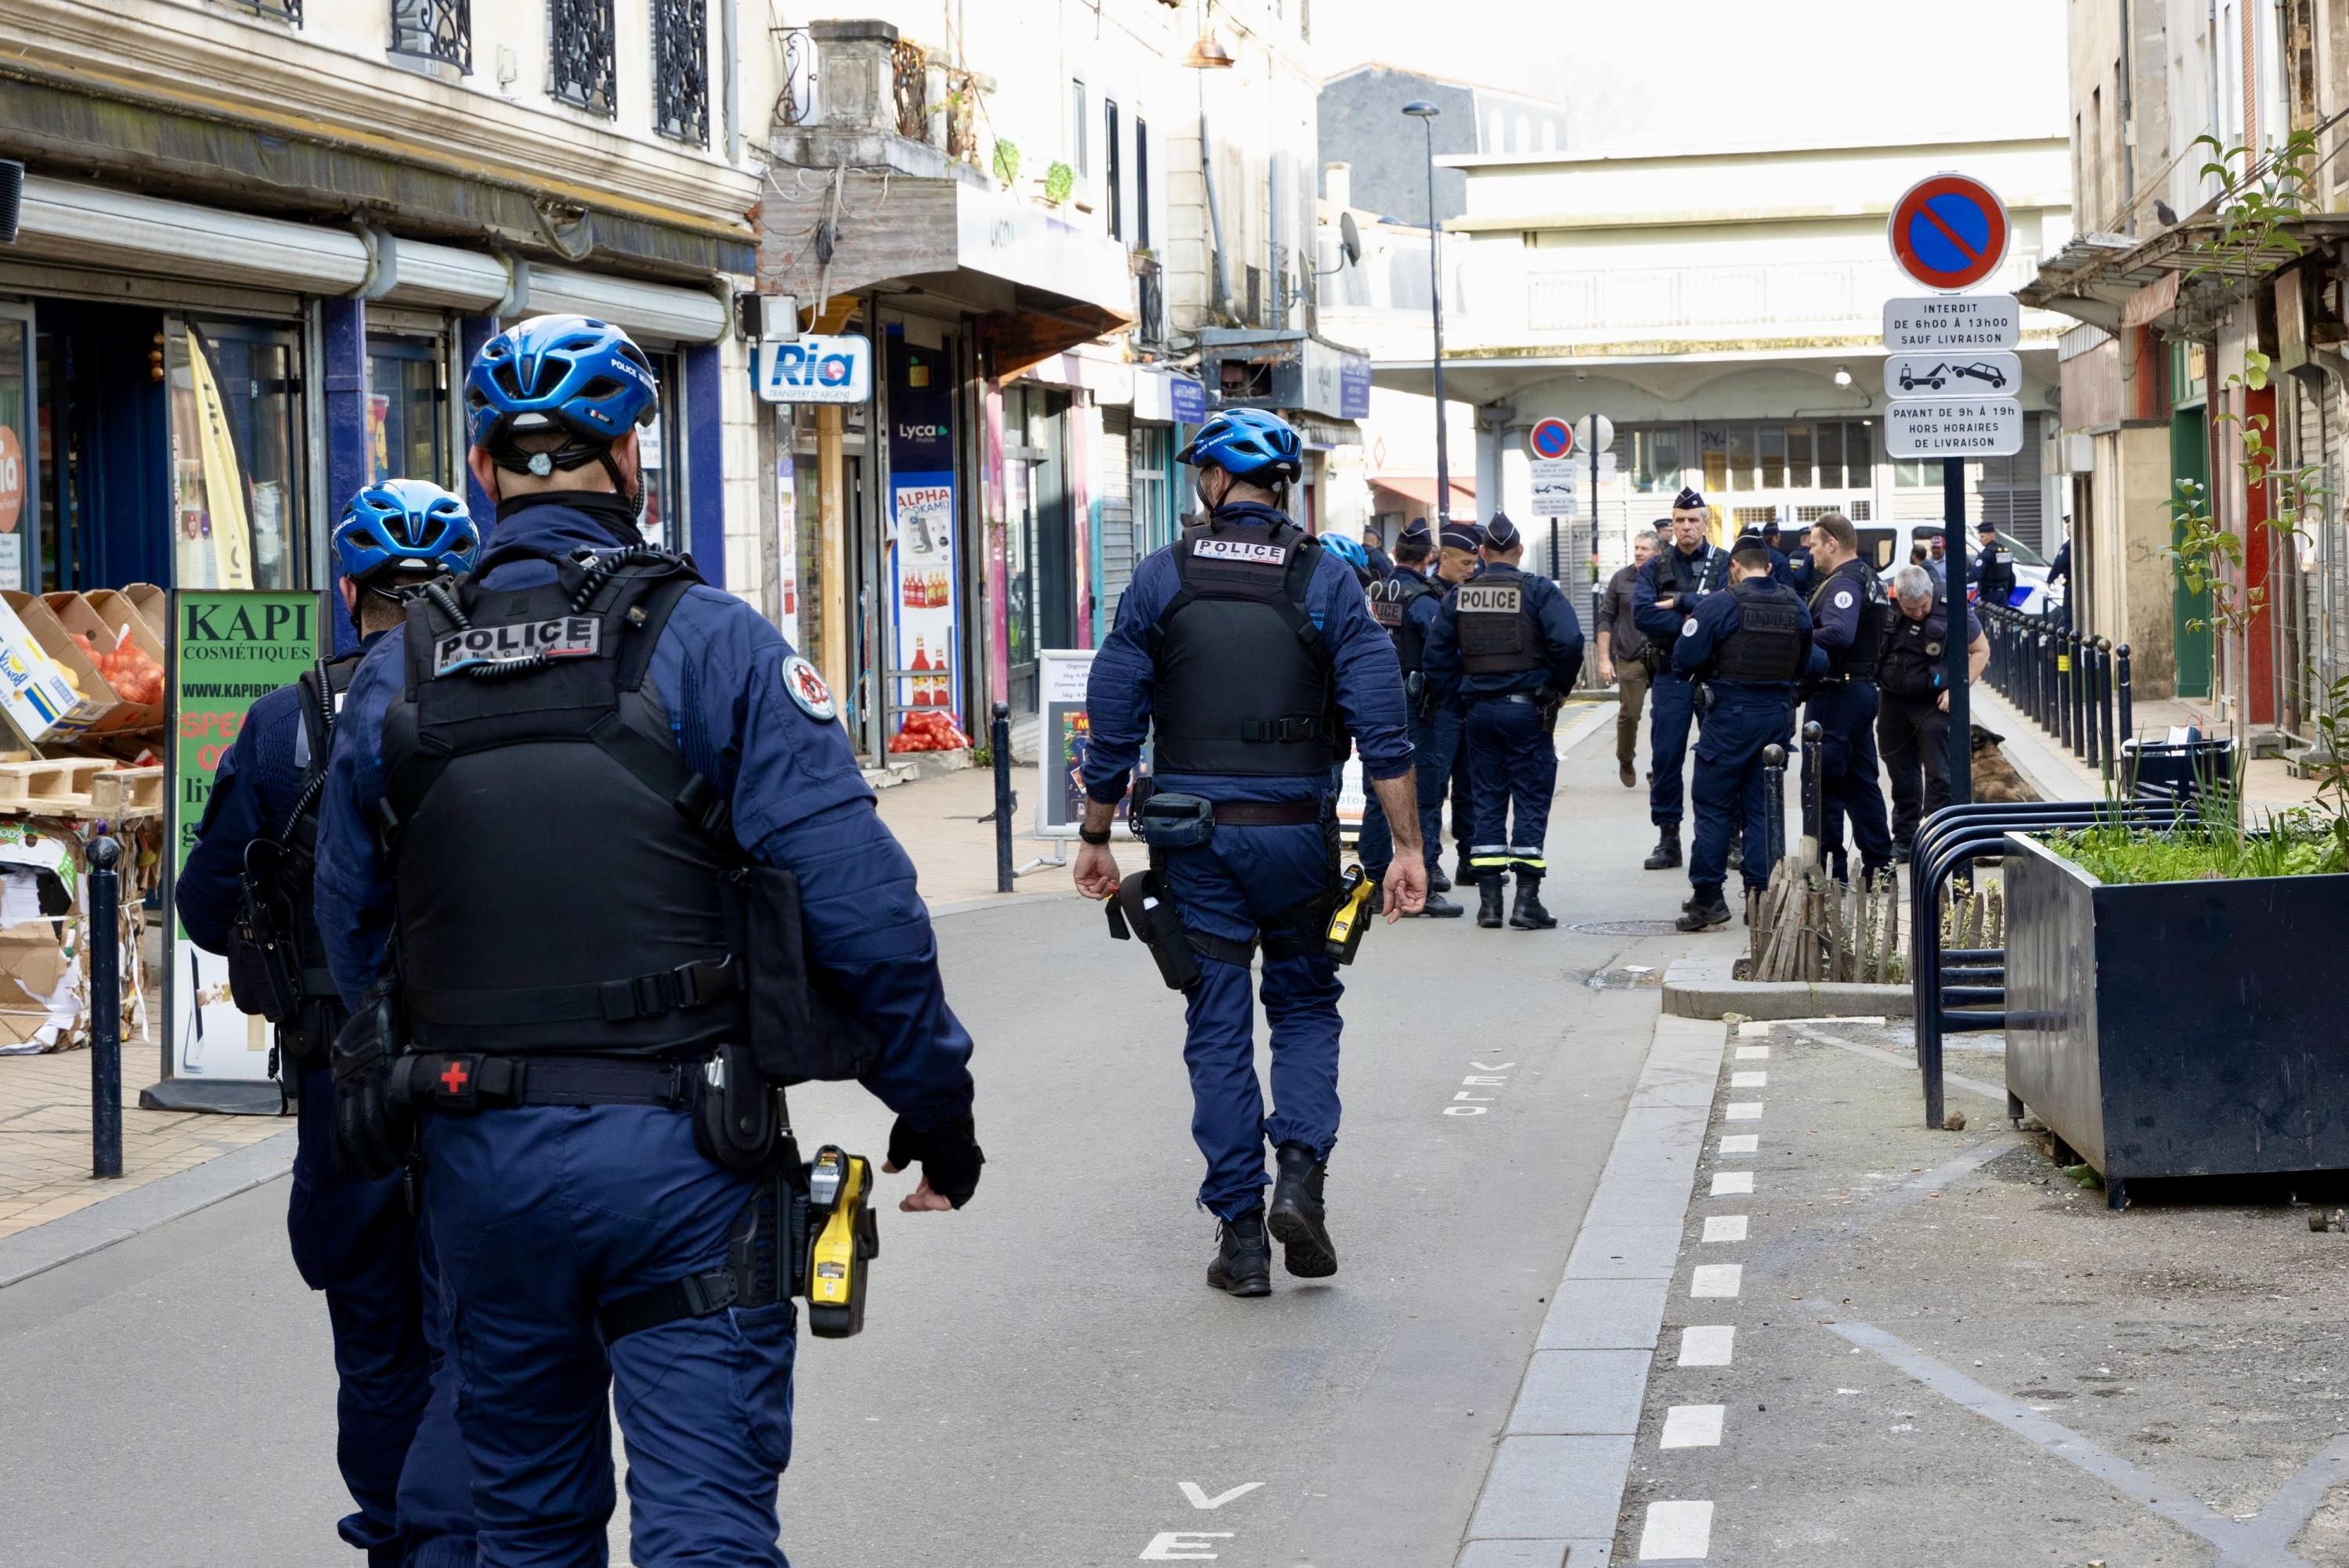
(372, 1133)
(950, 1157)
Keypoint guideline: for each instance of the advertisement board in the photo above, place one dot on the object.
(923, 575)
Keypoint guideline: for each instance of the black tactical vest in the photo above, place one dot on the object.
(1859, 661)
(1767, 648)
(558, 866)
(1913, 663)
(1245, 683)
(1500, 633)
(322, 702)
(1687, 575)
(1391, 603)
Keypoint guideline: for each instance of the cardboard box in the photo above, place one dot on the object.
(35, 691)
(154, 607)
(50, 635)
(75, 614)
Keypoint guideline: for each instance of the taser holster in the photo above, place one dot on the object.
(1140, 908)
(264, 974)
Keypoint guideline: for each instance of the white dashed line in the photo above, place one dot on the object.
(1752, 1053)
(1725, 1227)
(1731, 1183)
(1708, 1345)
(1742, 1110)
(1676, 1530)
(1717, 1280)
(1692, 1427)
(1749, 1081)
(1741, 1142)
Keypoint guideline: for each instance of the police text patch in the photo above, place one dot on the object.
(563, 637)
(1487, 598)
(1249, 551)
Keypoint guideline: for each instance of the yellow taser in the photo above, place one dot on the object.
(847, 1236)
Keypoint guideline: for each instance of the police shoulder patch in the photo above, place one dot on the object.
(1843, 599)
(1688, 627)
(807, 688)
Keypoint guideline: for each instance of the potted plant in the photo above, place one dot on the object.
(1006, 162)
(1059, 180)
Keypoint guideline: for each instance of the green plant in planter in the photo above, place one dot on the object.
(1059, 180)
(1006, 160)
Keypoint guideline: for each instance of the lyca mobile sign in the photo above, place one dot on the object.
(813, 369)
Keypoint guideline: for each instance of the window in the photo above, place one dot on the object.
(439, 30)
(1913, 473)
(1141, 182)
(664, 479)
(235, 398)
(681, 70)
(283, 10)
(1741, 457)
(1111, 174)
(408, 409)
(1077, 127)
(579, 69)
(1655, 464)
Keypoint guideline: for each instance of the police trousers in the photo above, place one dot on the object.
(543, 1215)
(1729, 790)
(396, 1438)
(1672, 705)
(1227, 887)
(1915, 735)
(1515, 766)
(1847, 784)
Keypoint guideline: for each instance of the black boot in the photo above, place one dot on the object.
(1436, 881)
(1378, 892)
(1737, 857)
(1296, 1214)
(1528, 913)
(1243, 1263)
(1462, 872)
(1439, 907)
(1667, 856)
(1704, 912)
(1488, 900)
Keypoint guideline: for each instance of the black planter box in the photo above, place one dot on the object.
(2192, 1028)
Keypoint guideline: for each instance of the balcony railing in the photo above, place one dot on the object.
(580, 69)
(440, 30)
(282, 10)
(681, 70)
(796, 103)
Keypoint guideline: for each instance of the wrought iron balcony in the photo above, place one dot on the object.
(439, 30)
(579, 56)
(681, 70)
(282, 10)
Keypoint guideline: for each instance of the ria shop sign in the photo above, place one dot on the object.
(813, 368)
(1953, 428)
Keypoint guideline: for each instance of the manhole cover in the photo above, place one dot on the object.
(1625, 928)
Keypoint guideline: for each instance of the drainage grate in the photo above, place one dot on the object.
(1625, 928)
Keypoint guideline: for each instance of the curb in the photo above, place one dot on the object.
(1707, 988)
(126, 1214)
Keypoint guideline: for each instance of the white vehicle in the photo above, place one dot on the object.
(2031, 595)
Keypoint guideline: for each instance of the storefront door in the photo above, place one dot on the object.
(407, 411)
(236, 454)
(103, 453)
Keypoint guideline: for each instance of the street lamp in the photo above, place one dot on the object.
(1426, 112)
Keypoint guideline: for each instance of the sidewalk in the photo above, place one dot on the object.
(2058, 775)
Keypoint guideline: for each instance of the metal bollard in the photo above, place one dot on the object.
(1814, 812)
(2076, 727)
(2104, 684)
(2127, 707)
(2096, 657)
(104, 934)
(1773, 793)
(999, 741)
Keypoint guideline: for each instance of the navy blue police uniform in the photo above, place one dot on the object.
(353, 1239)
(1511, 644)
(1782, 571)
(1251, 652)
(1992, 574)
(1848, 620)
(1670, 585)
(572, 984)
(1912, 672)
(1405, 604)
(1445, 758)
(1749, 645)
(1801, 575)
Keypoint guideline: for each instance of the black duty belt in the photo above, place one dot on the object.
(1526, 697)
(465, 1081)
(1267, 814)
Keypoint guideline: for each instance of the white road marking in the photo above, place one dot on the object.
(1200, 1498)
(1751, 1031)
(1676, 1530)
(1731, 1183)
(1717, 1280)
(1483, 1079)
(1749, 1081)
(1492, 1066)
(1184, 1545)
(1752, 1053)
(1740, 1142)
(1742, 1110)
(1725, 1227)
(1708, 1345)
(1464, 1110)
(1692, 1427)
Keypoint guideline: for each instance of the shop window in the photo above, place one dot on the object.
(236, 454)
(1770, 445)
(681, 70)
(1741, 457)
(440, 30)
(1830, 456)
(1912, 473)
(660, 454)
(1655, 462)
(407, 410)
(1858, 459)
(1713, 450)
(1799, 471)
(579, 69)
(19, 451)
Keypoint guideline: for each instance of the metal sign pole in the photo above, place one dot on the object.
(1956, 644)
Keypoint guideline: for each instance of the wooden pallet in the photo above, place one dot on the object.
(60, 783)
(79, 787)
(124, 792)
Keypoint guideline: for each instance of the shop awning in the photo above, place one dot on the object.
(1415, 494)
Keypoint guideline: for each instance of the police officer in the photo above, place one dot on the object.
(1798, 559)
(1671, 584)
(1912, 672)
(352, 1238)
(2060, 571)
(1516, 643)
(1766, 536)
(1993, 568)
(1381, 563)
(605, 789)
(1847, 611)
(1460, 556)
(1748, 646)
(1405, 604)
(1251, 651)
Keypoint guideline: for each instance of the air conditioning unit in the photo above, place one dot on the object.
(2076, 453)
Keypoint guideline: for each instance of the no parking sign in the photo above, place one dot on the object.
(1949, 233)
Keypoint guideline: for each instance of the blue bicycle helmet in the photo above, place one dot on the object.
(566, 372)
(1247, 444)
(408, 527)
(1348, 551)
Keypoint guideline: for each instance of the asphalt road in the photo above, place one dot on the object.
(1044, 1377)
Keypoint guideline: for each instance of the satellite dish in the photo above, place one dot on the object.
(1350, 239)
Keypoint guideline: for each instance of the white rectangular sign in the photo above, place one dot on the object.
(1939, 324)
(813, 369)
(1953, 428)
(1991, 374)
(1557, 484)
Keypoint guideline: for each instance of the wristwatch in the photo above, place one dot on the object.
(1091, 837)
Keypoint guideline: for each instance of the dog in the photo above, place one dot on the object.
(1995, 776)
